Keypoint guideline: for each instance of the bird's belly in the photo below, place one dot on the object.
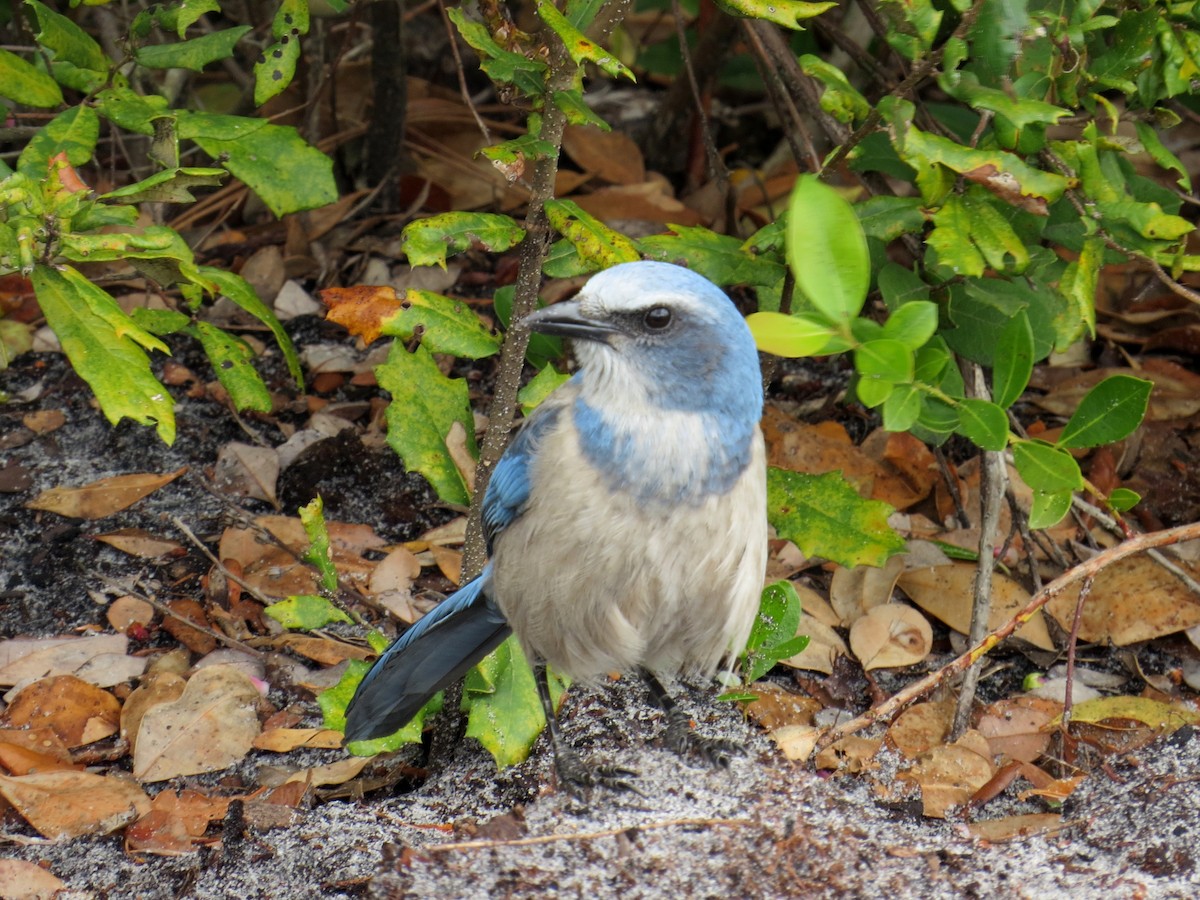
(593, 581)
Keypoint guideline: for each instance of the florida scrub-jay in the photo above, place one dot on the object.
(626, 522)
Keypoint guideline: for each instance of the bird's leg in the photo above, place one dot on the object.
(573, 773)
(679, 734)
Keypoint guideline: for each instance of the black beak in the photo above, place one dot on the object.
(566, 320)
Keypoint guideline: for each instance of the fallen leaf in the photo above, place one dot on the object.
(174, 823)
(285, 740)
(824, 646)
(27, 750)
(25, 659)
(156, 689)
(946, 592)
(177, 626)
(322, 650)
(854, 591)
(246, 470)
(891, 635)
(142, 544)
(777, 707)
(76, 710)
(101, 498)
(210, 727)
(1011, 828)
(851, 755)
(796, 742)
(921, 727)
(44, 421)
(949, 775)
(125, 612)
(1016, 727)
(22, 880)
(63, 805)
(611, 156)
(334, 773)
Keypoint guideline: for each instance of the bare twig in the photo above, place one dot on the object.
(1114, 527)
(1087, 569)
(1072, 643)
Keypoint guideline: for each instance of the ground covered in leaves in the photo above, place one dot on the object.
(284, 813)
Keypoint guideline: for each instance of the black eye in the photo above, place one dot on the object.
(657, 318)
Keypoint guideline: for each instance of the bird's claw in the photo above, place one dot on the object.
(680, 737)
(579, 777)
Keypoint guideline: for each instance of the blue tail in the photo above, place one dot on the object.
(435, 652)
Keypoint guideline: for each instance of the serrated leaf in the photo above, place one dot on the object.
(722, 259)
(1108, 412)
(429, 241)
(1014, 360)
(503, 710)
(232, 360)
(273, 160)
(827, 250)
(425, 405)
(168, 186)
(824, 516)
(789, 336)
(73, 132)
(319, 554)
(971, 236)
(1046, 468)
(193, 54)
(304, 612)
(840, 98)
(985, 423)
(102, 343)
(67, 42)
(501, 65)
(1161, 155)
(445, 325)
(238, 290)
(594, 240)
(578, 47)
(21, 82)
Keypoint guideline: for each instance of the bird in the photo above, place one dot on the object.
(625, 523)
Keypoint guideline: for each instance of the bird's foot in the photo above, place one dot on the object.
(579, 777)
(684, 741)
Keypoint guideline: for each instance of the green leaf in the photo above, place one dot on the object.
(304, 612)
(77, 60)
(980, 309)
(722, 259)
(970, 235)
(789, 336)
(594, 240)
(502, 66)
(886, 359)
(273, 160)
(428, 241)
(824, 517)
(912, 324)
(167, 186)
(1049, 508)
(985, 423)
(542, 347)
(504, 712)
(231, 359)
(786, 13)
(444, 324)
(318, 554)
(102, 343)
(578, 47)
(827, 250)
(194, 54)
(1161, 155)
(73, 132)
(899, 286)
(334, 701)
(1108, 412)
(425, 405)
(576, 109)
(1123, 499)
(1013, 360)
(21, 82)
(131, 110)
(275, 68)
(773, 635)
(1046, 468)
(540, 387)
(902, 408)
(840, 98)
(239, 291)
(887, 218)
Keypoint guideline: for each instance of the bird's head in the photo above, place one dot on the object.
(660, 334)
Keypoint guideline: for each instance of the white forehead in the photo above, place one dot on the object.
(635, 286)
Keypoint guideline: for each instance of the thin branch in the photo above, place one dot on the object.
(1114, 527)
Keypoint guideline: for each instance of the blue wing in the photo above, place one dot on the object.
(463, 628)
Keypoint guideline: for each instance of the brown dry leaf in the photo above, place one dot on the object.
(125, 612)
(284, 740)
(1133, 600)
(177, 626)
(44, 421)
(1011, 828)
(813, 604)
(210, 727)
(174, 823)
(921, 727)
(22, 880)
(945, 592)
(796, 742)
(776, 707)
(24, 659)
(816, 449)
(460, 454)
(449, 562)
(1016, 727)
(62, 805)
(141, 543)
(24, 751)
(949, 775)
(101, 498)
(452, 533)
(334, 773)
(76, 710)
(611, 156)
(824, 646)
(850, 756)
(1054, 791)
(361, 309)
(889, 636)
(395, 573)
(246, 470)
(651, 201)
(854, 591)
(156, 689)
(909, 470)
(323, 650)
